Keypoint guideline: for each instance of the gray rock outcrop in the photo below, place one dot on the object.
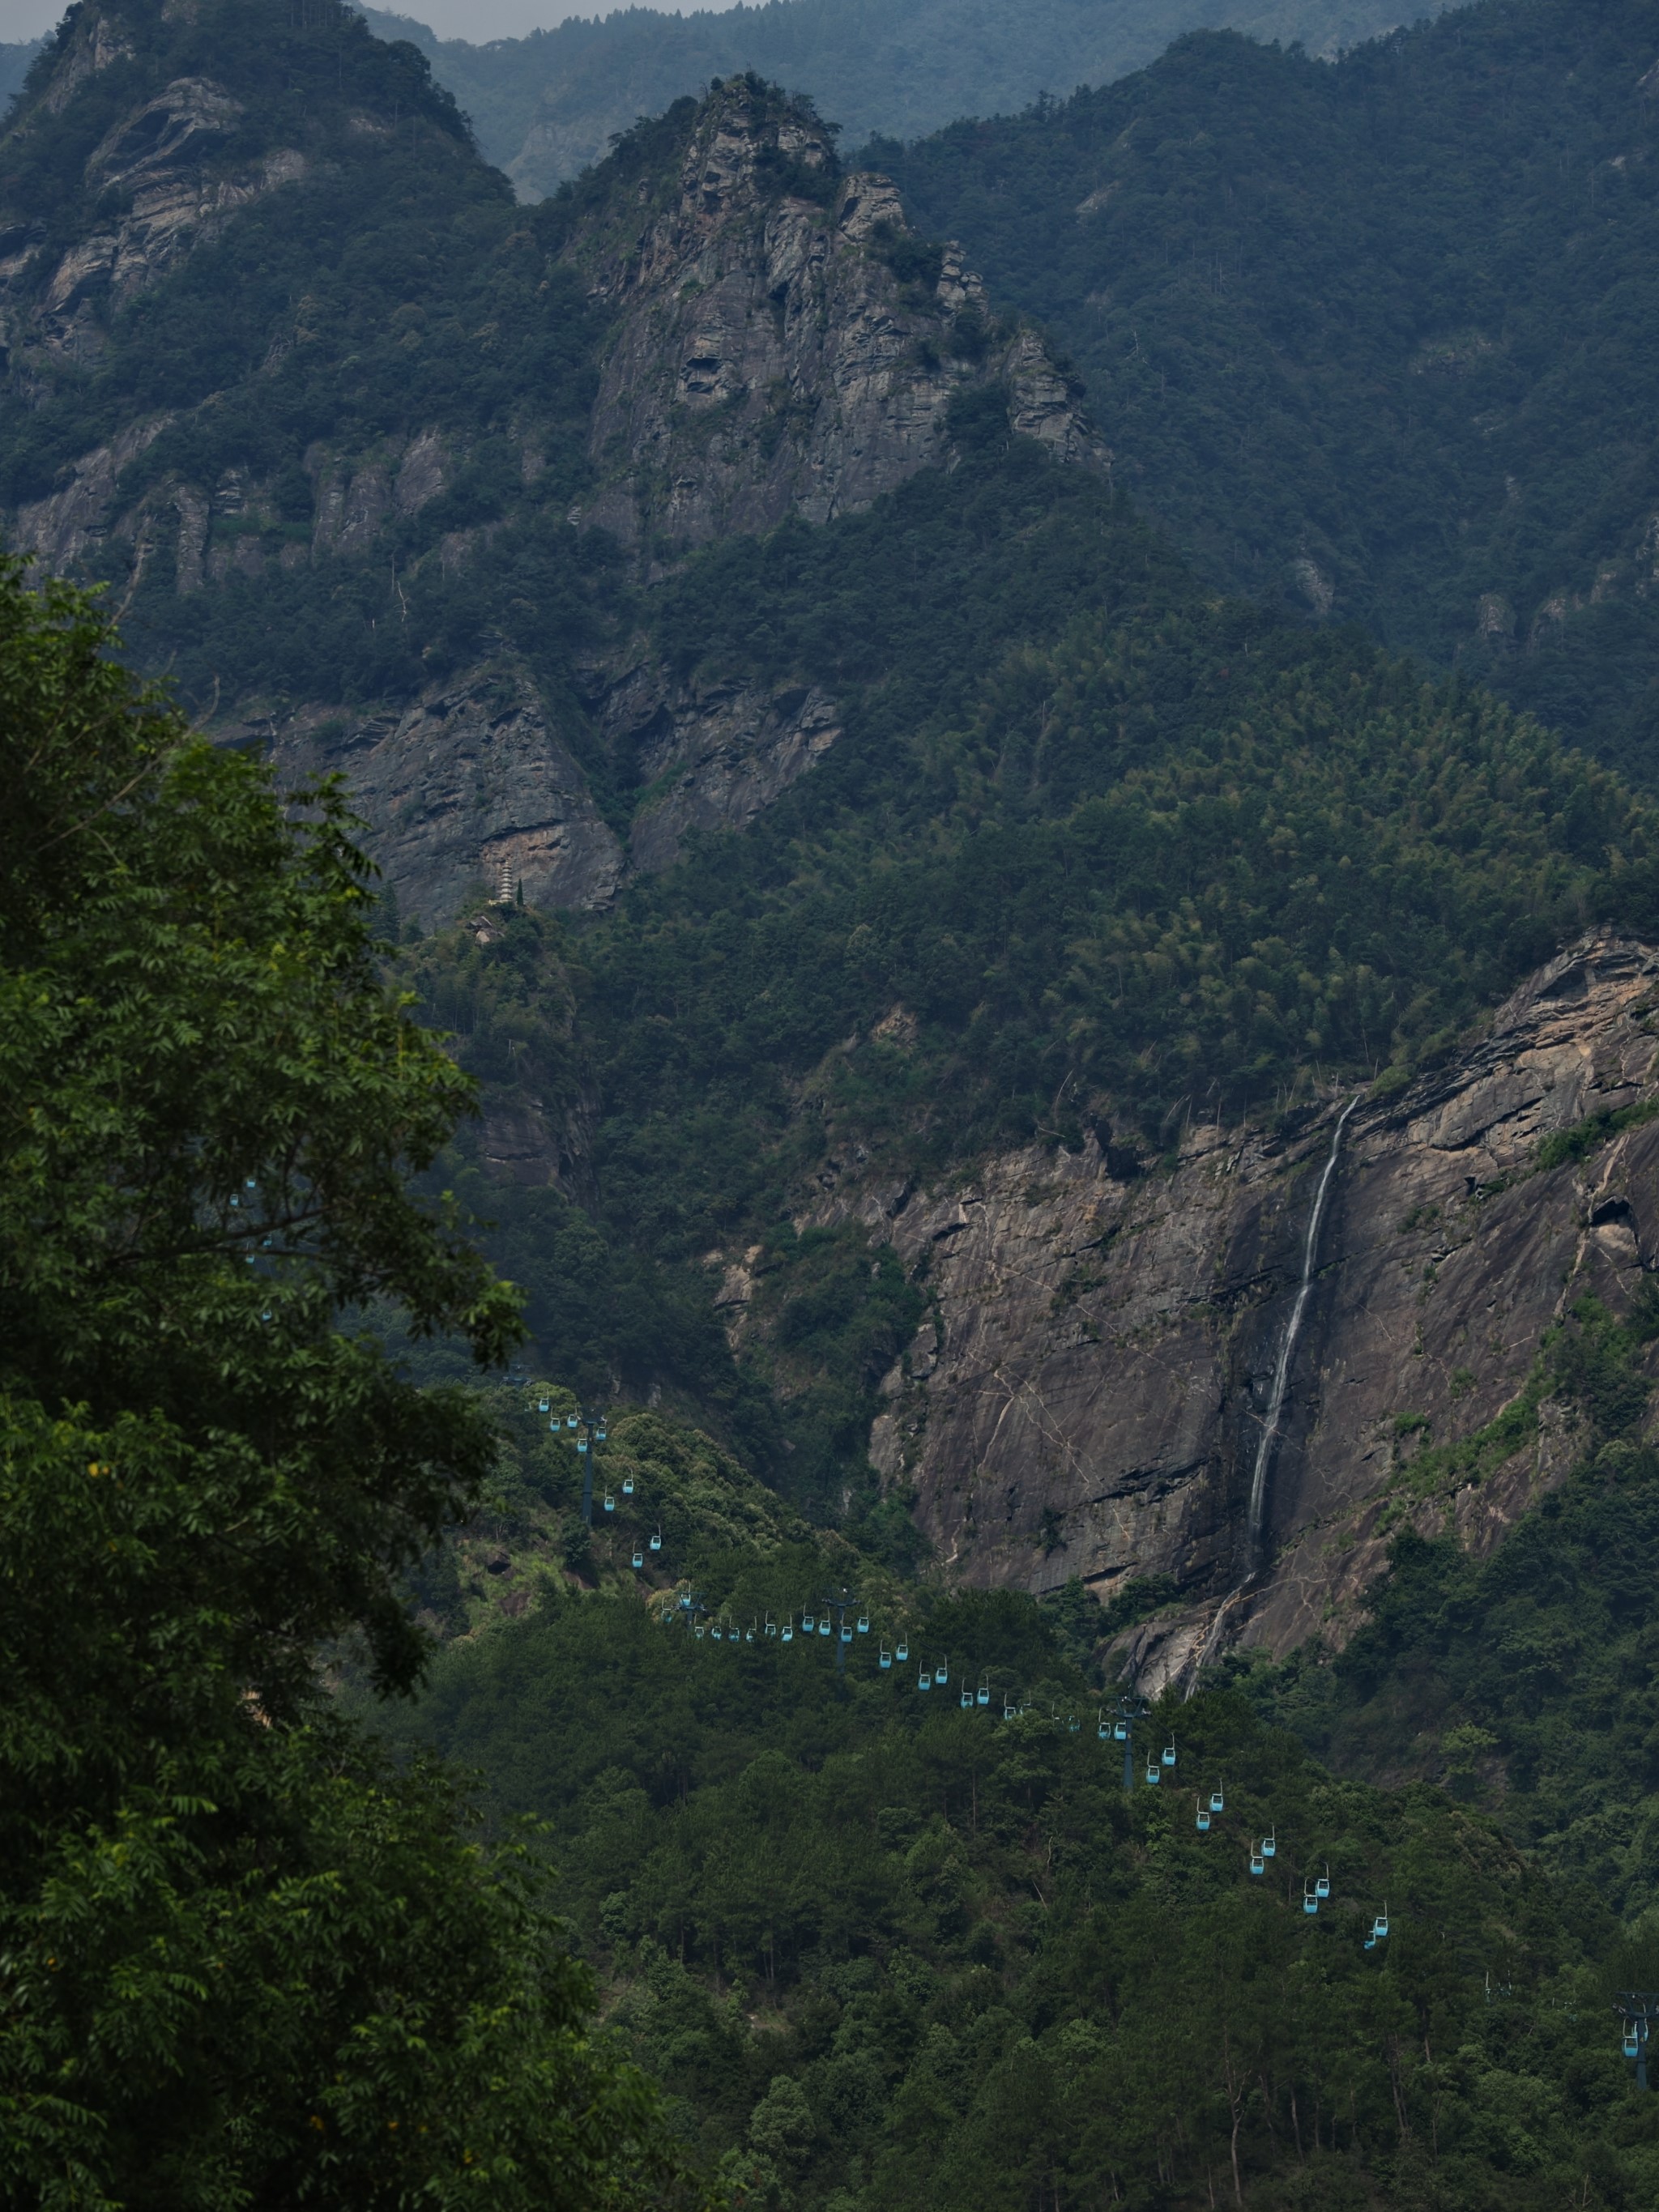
(788, 352)
(157, 166)
(469, 789)
(1086, 1397)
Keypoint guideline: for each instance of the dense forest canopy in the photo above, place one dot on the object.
(894, 1949)
(1371, 338)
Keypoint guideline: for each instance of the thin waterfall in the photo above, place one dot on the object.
(1269, 1439)
(1268, 1442)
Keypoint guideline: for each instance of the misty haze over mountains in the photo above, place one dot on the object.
(545, 106)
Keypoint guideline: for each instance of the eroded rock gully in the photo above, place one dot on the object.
(1087, 1398)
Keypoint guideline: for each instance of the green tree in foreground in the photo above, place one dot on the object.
(243, 1962)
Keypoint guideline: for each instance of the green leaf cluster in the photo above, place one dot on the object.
(241, 1959)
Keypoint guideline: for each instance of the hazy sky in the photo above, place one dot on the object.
(451, 19)
(479, 20)
(26, 19)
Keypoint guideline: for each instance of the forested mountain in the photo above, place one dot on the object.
(1374, 340)
(1073, 1116)
(546, 106)
(708, 510)
(887, 1948)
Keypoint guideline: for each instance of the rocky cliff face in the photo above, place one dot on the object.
(157, 186)
(1087, 1398)
(162, 179)
(762, 337)
(469, 789)
(788, 351)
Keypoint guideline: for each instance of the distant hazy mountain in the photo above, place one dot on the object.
(545, 106)
(15, 67)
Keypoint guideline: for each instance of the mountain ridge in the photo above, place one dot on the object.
(1373, 340)
(437, 395)
(547, 105)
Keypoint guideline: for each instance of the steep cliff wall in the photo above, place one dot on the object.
(1086, 1397)
(470, 789)
(787, 351)
(355, 442)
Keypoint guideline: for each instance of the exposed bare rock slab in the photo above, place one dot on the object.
(58, 529)
(1087, 1399)
(470, 787)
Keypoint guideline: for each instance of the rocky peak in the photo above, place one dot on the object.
(162, 178)
(786, 343)
(745, 143)
(768, 336)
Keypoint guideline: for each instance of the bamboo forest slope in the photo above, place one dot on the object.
(1376, 340)
(546, 106)
(1184, 849)
(885, 1951)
